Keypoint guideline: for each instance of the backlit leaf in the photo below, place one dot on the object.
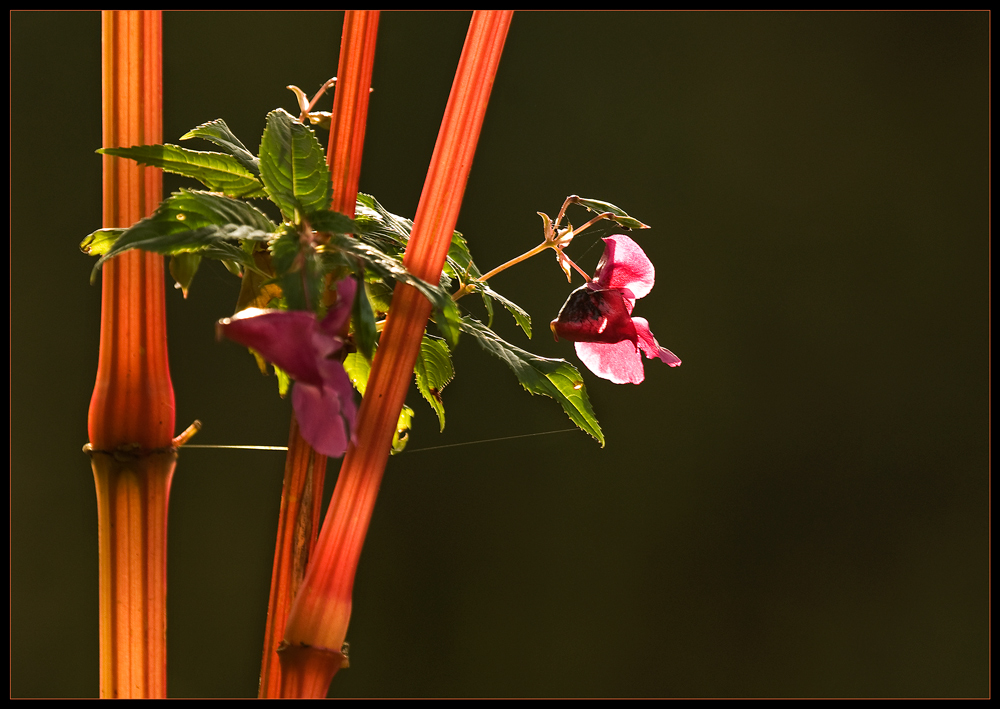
(358, 368)
(99, 242)
(196, 222)
(363, 319)
(555, 378)
(183, 266)
(218, 132)
(447, 316)
(433, 371)
(218, 172)
(598, 207)
(293, 167)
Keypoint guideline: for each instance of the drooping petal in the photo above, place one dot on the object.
(321, 421)
(340, 313)
(650, 347)
(591, 315)
(620, 362)
(288, 339)
(625, 266)
(337, 381)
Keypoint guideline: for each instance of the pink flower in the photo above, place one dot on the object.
(597, 317)
(322, 397)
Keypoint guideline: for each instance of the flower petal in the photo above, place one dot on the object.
(321, 420)
(620, 362)
(590, 315)
(650, 347)
(336, 380)
(340, 313)
(287, 339)
(625, 266)
(326, 413)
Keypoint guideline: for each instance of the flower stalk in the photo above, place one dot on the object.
(554, 238)
(305, 469)
(131, 417)
(317, 625)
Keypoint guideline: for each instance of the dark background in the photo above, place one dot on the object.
(801, 509)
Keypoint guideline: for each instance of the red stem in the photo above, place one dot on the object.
(305, 469)
(350, 107)
(131, 419)
(319, 618)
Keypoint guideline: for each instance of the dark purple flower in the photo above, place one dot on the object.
(295, 341)
(597, 317)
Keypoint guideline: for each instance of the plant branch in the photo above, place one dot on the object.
(305, 469)
(321, 612)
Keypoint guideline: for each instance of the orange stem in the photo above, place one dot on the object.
(350, 107)
(298, 520)
(305, 470)
(319, 618)
(131, 419)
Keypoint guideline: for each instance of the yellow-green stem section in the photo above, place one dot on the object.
(466, 289)
(132, 496)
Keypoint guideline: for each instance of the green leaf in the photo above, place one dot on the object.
(521, 316)
(331, 222)
(100, 242)
(363, 318)
(447, 317)
(459, 261)
(448, 320)
(218, 132)
(459, 265)
(358, 368)
(320, 118)
(284, 381)
(293, 167)
(194, 208)
(433, 371)
(402, 434)
(183, 266)
(298, 271)
(218, 172)
(390, 233)
(210, 241)
(380, 295)
(555, 378)
(618, 214)
(379, 227)
(257, 287)
(207, 220)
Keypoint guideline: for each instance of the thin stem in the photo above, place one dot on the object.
(596, 219)
(579, 270)
(572, 199)
(468, 287)
(305, 469)
(319, 94)
(514, 261)
(552, 241)
(350, 107)
(321, 612)
(298, 521)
